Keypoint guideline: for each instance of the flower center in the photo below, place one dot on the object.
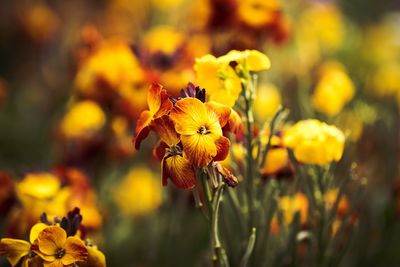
(203, 130)
(60, 253)
(174, 150)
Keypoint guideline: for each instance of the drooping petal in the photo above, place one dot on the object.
(165, 129)
(223, 111)
(159, 150)
(222, 144)
(179, 170)
(51, 239)
(189, 114)
(75, 250)
(200, 149)
(142, 128)
(14, 249)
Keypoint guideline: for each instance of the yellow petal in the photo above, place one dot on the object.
(51, 239)
(75, 250)
(35, 230)
(14, 249)
(200, 149)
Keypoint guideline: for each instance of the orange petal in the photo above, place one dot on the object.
(180, 171)
(165, 129)
(235, 124)
(75, 250)
(35, 230)
(189, 114)
(223, 144)
(14, 249)
(153, 97)
(55, 263)
(200, 149)
(223, 111)
(159, 150)
(142, 128)
(230, 179)
(51, 239)
(165, 106)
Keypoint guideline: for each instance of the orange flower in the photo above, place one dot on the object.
(159, 105)
(56, 249)
(174, 162)
(200, 127)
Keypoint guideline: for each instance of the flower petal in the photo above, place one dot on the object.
(51, 239)
(223, 144)
(75, 250)
(200, 149)
(180, 171)
(55, 263)
(142, 128)
(223, 111)
(189, 114)
(165, 129)
(14, 249)
(159, 150)
(35, 230)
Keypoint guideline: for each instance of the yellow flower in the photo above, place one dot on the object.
(351, 124)
(290, 205)
(139, 192)
(258, 13)
(385, 81)
(267, 101)
(19, 251)
(315, 142)
(42, 192)
(166, 5)
(95, 258)
(334, 89)
(83, 120)
(220, 80)
(113, 66)
(324, 22)
(163, 39)
(200, 126)
(56, 249)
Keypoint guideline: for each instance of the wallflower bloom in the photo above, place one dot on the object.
(267, 101)
(159, 105)
(172, 40)
(334, 89)
(221, 80)
(200, 128)
(139, 193)
(258, 13)
(84, 119)
(289, 205)
(56, 249)
(174, 163)
(315, 142)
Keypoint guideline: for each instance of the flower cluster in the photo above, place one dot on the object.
(51, 244)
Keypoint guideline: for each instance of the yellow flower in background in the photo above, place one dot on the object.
(385, 81)
(351, 124)
(258, 13)
(57, 250)
(333, 90)
(330, 198)
(113, 66)
(290, 205)
(315, 142)
(267, 101)
(221, 81)
(163, 39)
(139, 192)
(165, 5)
(324, 22)
(83, 120)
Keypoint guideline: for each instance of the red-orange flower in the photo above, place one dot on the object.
(159, 105)
(174, 162)
(200, 129)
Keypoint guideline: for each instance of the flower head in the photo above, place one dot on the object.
(315, 142)
(200, 129)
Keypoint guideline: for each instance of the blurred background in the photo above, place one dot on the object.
(74, 78)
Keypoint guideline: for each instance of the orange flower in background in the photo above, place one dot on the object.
(159, 105)
(56, 249)
(175, 164)
(200, 127)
